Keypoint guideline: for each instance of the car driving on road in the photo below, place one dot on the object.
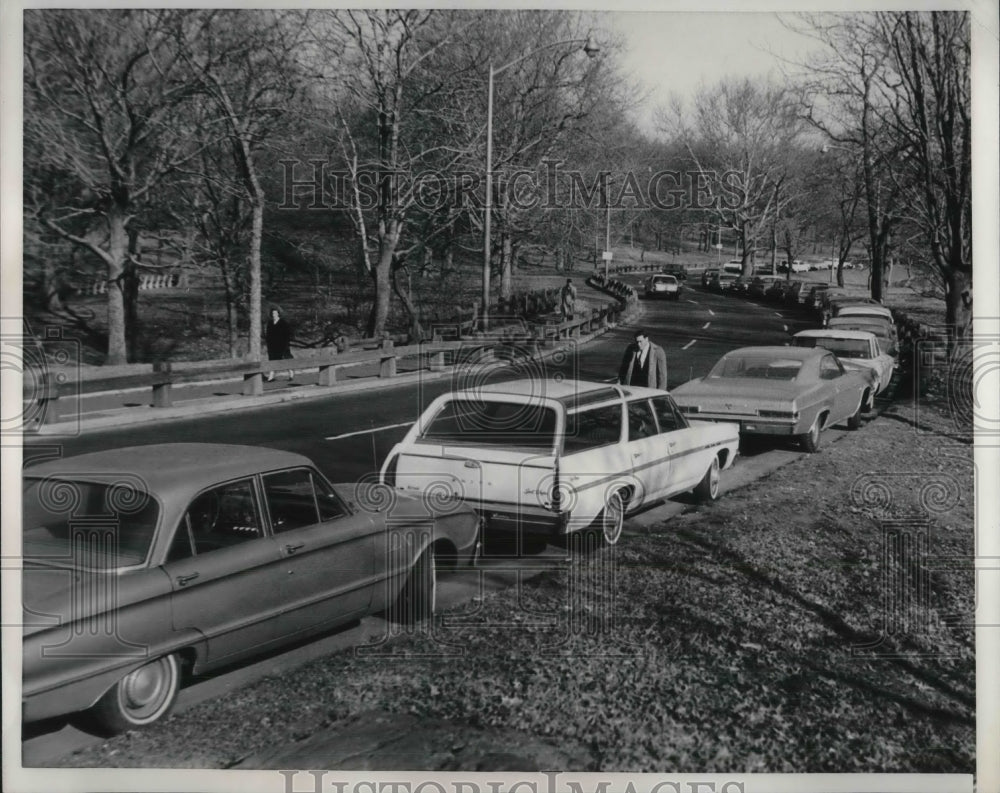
(551, 458)
(780, 391)
(148, 562)
(662, 285)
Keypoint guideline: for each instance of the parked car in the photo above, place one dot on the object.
(865, 309)
(780, 391)
(679, 271)
(740, 286)
(707, 276)
(775, 292)
(795, 292)
(143, 563)
(734, 266)
(854, 348)
(760, 283)
(551, 458)
(884, 330)
(812, 301)
(721, 282)
(661, 285)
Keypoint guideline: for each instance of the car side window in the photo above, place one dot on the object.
(330, 505)
(830, 368)
(667, 414)
(590, 429)
(640, 420)
(291, 500)
(218, 518)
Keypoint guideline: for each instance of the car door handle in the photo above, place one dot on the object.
(184, 580)
(671, 445)
(637, 454)
(293, 547)
(471, 464)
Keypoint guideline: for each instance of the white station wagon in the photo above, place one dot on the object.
(552, 457)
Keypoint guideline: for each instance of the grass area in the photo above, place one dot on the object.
(787, 628)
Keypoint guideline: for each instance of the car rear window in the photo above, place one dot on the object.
(484, 422)
(845, 348)
(756, 367)
(88, 525)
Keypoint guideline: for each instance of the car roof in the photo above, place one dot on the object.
(164, 467)
(837, 333)
(798, 353)
(539, 387)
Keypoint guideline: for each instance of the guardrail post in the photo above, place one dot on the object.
(436, 361)
(387, 365)
(327, 374)
(161, 385)
(48, 400)
(253, 382)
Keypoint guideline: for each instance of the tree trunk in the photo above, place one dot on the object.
(506, 266)
(256, 235)
(958, 307)
(117, 252)
(51, 286)
(130, 282)
(416, 330)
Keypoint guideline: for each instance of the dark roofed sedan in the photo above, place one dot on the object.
(779, 391)
(144, 561)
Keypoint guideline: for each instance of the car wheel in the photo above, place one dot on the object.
(810, 441)
(854, 422)
(418, 599)
(707, 490)
(612, 518)
(142, 697)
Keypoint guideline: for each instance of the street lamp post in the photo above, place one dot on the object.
(589, 47)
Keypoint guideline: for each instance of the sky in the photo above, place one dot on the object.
(678, 52)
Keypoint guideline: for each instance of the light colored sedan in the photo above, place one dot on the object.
(780, 391)
(144, 563)
(855, 348)
(662, 285)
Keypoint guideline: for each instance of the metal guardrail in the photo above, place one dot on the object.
(504, 343)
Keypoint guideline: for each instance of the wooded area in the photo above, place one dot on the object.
(183, 130)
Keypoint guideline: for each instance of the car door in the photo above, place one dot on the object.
(649, 456)
(224, 572)
(845, 392)
(326, 550)
(681, 441)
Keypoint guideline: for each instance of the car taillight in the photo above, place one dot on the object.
(779, 414)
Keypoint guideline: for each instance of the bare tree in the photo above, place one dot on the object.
(102, 90)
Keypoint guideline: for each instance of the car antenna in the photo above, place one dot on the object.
(374, 456)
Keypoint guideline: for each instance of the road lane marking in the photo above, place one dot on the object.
(365, 432)
(779, 315)
(785, 328)
(693, 301)
(689, 344)
(705, 326)
(711, 312)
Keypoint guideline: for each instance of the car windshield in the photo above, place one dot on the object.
(843, 348)
(87, 525)
(760, 367)
(485, 422)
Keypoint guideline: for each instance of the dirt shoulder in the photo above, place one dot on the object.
(819, 620)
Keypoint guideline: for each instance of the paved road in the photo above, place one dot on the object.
(348, 435)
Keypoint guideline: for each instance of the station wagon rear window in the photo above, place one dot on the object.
(485, 422)
(89, 525)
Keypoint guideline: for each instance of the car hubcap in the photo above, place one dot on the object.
(613, 519)
(145, 690)
(713, 480)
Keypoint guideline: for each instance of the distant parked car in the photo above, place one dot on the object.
(854, 348)
(760, 284)
(865, 309)
(721, 282)
(812, 300)
(661, 285)
(794, 293)
(679, 271)
(776, 291)
(707, 276)
(780, 391)
(884, 330)
(145, 562)
(734, 266)
(740, 286)
(552, 457)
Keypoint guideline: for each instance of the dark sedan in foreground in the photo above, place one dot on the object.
(780, 391)
(146, 562)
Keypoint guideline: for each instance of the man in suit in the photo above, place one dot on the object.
(644, 364)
